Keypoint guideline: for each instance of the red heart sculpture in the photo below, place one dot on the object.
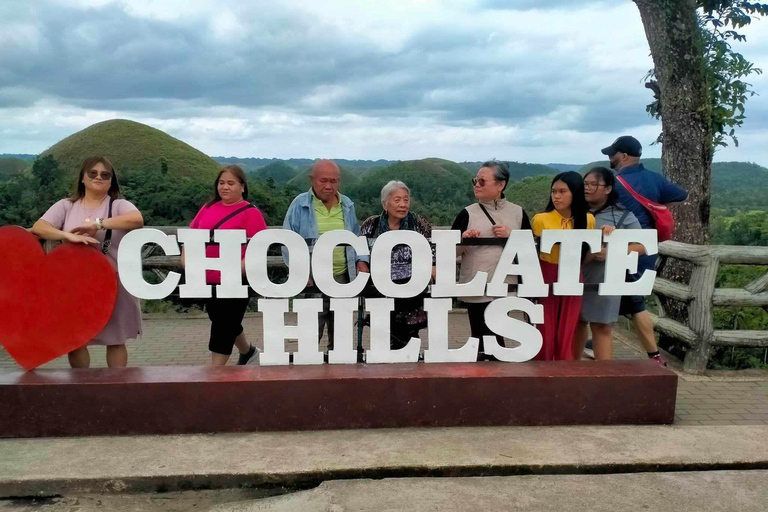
(51, 304)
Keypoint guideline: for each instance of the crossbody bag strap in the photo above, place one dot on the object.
(225, 219)
(620, 224)
(108, 235)
(631, 191)
(493, 222)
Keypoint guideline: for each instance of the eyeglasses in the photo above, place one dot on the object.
(480, 181)
(105, 175)
(593, 186)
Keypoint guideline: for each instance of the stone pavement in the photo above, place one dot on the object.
(303, 459)
(716, 398)
(713, 491)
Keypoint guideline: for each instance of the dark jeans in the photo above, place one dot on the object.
(326, 316)
(475, 312)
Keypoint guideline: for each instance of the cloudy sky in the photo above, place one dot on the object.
(528, 80)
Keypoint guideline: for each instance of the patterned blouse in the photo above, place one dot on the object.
(401, 254)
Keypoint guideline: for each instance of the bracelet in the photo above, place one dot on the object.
(98, 224)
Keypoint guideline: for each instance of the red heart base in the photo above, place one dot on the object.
(51, 304)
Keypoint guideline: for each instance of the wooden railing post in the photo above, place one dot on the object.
(701, 318)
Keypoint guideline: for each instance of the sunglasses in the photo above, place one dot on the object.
(105, 175)
(481, 182)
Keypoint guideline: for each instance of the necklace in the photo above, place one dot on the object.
(89, 214)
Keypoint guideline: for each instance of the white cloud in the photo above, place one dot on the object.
(527, 80)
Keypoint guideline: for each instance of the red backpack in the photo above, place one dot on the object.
(662, 216)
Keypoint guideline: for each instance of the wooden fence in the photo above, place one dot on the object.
(701, 295)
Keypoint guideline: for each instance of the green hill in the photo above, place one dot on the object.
(279, 171)
(133, 147)
(741, 185)
(531, 193)
(439, 188)
(517, 170)
(348, 179)
(10, 167)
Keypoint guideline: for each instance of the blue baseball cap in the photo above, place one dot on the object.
(624, 144)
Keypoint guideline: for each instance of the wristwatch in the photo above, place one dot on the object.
(98, 224)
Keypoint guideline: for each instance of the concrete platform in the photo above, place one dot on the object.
(714, 398)
(299, 460)
(183, 400)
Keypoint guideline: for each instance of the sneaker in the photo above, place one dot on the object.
(589, 353)
(244, 358)
(659, 360)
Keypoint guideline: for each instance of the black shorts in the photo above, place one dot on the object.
(631, 304)
(226, 323)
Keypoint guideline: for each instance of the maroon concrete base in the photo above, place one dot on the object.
(179, 400)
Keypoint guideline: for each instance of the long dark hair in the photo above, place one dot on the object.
(610, 181)
(579, 206)
(238, 173)
(87, 165)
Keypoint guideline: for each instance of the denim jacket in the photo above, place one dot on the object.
(300, 218)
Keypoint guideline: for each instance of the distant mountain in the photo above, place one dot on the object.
(252, 164)
(133, 147)
(566, 167)
(348, 179)
(517, 170)
(21, 156)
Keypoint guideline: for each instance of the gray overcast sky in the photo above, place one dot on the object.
(528, 80)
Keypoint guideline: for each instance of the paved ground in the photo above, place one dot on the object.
(301, 460)
(726, 491)
(723, 398)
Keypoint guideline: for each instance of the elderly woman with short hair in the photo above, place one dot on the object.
(409, 316)
(492, 216)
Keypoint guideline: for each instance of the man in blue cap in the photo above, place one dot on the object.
(624, 156)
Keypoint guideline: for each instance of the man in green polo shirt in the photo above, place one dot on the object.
(319, 210)
(330, 216)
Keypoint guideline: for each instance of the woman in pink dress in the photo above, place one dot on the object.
(86, 218)
(228, 210)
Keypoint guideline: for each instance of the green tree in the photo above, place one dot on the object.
(699, 92)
